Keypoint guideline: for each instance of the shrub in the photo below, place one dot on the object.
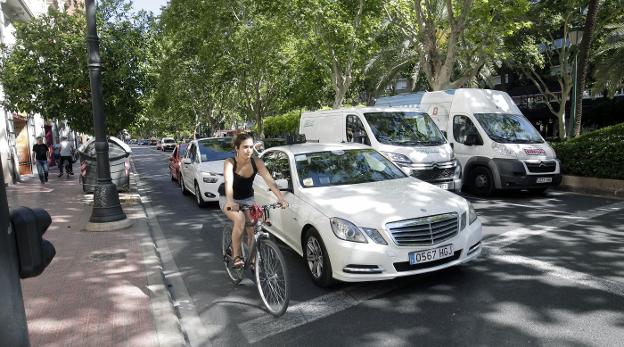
(596, 154)
(282, 125)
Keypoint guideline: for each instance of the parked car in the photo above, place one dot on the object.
(201, 172)
(356, 216)
(153, 141)
(175, 161)
(158, 145)
(167, 144)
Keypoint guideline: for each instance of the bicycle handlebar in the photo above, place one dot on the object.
(244, 207)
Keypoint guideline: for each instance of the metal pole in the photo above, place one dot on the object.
(106, 206)
(573, 101)
(13, 327)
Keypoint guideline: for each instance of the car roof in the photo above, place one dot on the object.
(310, 147)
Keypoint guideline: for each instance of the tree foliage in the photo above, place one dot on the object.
(46, 70)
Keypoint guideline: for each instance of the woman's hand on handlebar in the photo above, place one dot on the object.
(283, 202)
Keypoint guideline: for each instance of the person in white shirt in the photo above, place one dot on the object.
(67, 152)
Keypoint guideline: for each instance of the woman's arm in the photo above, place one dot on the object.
(228, 178)
(270, 182)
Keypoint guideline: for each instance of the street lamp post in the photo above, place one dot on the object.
(106, 206)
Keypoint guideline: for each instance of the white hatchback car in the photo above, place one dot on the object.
(355, 216)
(202, 167)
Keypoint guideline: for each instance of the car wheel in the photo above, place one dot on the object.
(182, 187)
(481, 181)
(317, 260)
(198, 198)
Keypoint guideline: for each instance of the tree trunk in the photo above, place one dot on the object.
(588, 32)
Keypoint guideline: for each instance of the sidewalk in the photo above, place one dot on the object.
(102, 288)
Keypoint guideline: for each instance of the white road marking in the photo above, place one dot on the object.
(306, 312)
(612, 287)
(510, 237)
(309, 311)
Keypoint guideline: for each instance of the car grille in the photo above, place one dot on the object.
(542, 166)
(424, 231)
(433, 174)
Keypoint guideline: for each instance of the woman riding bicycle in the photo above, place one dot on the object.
(239, 173)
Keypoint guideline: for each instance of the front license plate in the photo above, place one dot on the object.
(430, 255)
(443, 185)
(543, 180)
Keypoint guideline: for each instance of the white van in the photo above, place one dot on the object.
(497, 146)
(406, 136)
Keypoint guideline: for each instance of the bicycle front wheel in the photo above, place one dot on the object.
(272, 277)
(236, 275)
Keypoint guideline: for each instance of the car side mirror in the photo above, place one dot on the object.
(284, 185)
(186, 161)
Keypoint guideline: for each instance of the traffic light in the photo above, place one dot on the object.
(34, 253)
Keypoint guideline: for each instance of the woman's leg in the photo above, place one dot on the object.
(238, 220)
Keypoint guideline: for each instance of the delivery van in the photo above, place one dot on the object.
(497, 146)
(408, 137)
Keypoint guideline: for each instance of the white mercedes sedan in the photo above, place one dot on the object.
(355, 216)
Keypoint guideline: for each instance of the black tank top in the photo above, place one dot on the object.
(243, 186)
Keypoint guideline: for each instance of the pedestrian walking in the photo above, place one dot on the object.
(41, 155)
(67, 153)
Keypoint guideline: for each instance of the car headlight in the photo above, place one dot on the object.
(398, 158)
(375, 236)
(345, 230)
(472, 214)
(210, 177)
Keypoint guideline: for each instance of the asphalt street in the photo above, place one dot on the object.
(552, 273)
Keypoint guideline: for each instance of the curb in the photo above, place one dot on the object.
(593, 185)
(171, 300)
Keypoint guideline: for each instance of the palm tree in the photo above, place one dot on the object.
(608, 73)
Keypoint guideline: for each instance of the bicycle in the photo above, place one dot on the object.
(269, 266)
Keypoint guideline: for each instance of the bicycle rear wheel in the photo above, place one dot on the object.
(236, 275)
(272, 277)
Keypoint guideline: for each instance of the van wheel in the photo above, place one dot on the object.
(481, 181)
(317, 260)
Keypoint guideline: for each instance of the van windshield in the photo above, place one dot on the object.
(508, 128)
(404, 128)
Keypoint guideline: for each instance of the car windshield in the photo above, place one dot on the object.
(168, 141)
(215, 149)
(508, 128)
(404, 128)
(333, 168)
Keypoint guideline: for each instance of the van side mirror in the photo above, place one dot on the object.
(34, 252)
(186, 161)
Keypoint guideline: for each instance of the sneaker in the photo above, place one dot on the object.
(71, 173)
(61, 174)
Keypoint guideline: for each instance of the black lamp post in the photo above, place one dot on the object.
(106, 206)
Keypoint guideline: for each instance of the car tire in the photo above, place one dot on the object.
(317, 259)
(198, 198)
(182, 187)
(481, 181)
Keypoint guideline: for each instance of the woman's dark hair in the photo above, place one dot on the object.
(240, 137)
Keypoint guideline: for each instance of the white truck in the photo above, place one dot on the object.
(497, 146)
(406, 136)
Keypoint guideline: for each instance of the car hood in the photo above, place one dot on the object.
(377, 203)
(215, 166)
